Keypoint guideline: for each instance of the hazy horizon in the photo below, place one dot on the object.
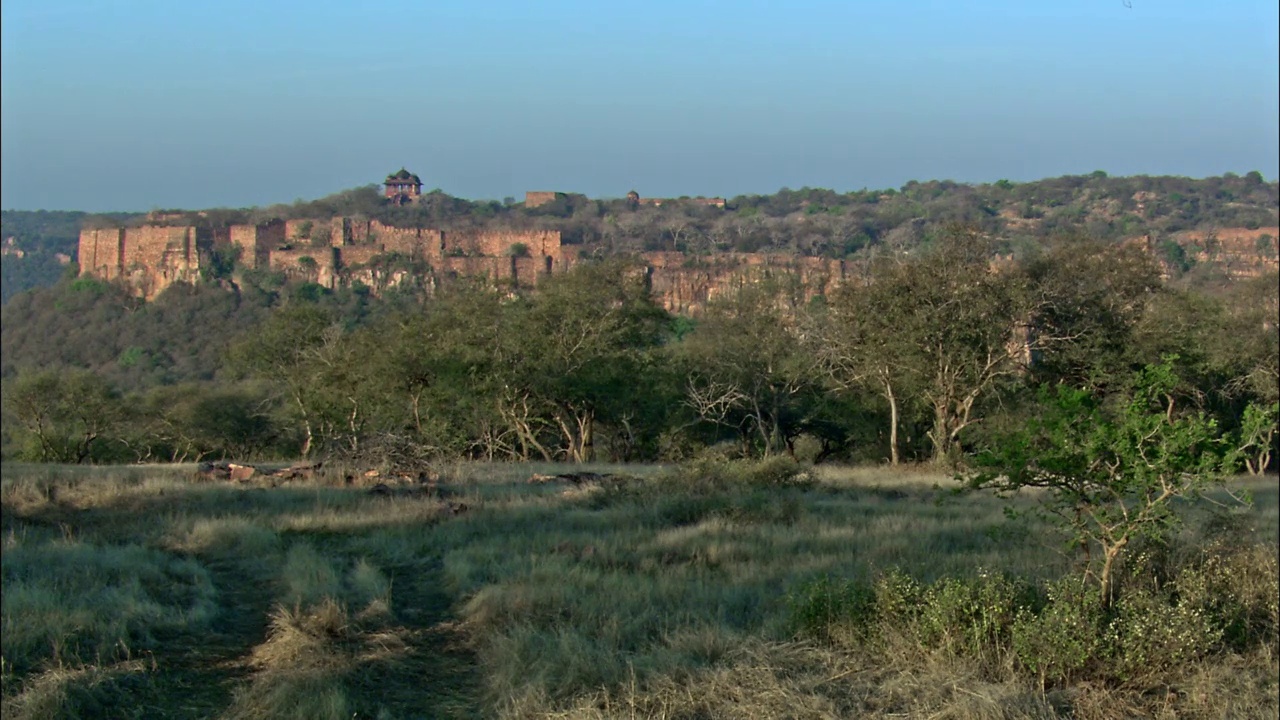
(158, 105)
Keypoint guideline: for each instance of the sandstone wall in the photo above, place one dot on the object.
(496, 269)
(322, 268)
(526, 271)
(340, 231)
(302, 230)
(685, 284)
(415, 242)
(535, 198)
(500, 243)
(148, 258)
(356, 255)
(1239, 252)
(100, 252)
(257, 241)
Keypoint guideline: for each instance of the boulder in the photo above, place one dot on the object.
(241, 473)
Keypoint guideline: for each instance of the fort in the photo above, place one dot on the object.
(339, 251)
(342, 251)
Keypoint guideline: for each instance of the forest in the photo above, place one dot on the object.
(934, 353)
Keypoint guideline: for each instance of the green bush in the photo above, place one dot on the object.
(970, 617)
(825, 607)
(712, 471)
(1153, 632)
(1057, 643)
(1236, 590)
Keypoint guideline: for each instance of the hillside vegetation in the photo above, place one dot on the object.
(942, 347)
(1180, 215)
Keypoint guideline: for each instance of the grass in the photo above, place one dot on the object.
(665, 593)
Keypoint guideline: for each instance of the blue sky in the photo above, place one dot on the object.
(142, 104)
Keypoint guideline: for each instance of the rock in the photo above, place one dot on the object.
(381, 490)
(241, 473)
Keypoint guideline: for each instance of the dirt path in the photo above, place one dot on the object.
(195, 677)
(429, 670)
(433, 676)
(437, 677)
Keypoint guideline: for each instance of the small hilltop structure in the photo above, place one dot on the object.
(169, 248)
(403, 187)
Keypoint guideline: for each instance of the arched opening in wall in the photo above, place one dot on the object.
(547, 261)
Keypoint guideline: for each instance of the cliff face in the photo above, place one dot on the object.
(1239, 253)
(343, 251)
(684, 284)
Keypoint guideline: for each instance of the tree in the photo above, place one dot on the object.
(1109, 474)
(301, 351)
(577, 349)
(858, 345)
(946, 323)
(1258, 435)
(66, 415)
(1088, 300)
(746, 368)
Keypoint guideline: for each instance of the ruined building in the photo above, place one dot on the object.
(536, 198)
(403, 187)
(342, 251)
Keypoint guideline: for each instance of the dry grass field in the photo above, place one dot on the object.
(730, 591)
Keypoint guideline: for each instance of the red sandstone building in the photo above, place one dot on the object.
(403, 187)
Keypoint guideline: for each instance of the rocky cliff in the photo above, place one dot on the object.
(343, 251)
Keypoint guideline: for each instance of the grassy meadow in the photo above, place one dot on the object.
(713, 590)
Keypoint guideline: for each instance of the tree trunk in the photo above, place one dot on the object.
(587, 435)
(941, 433)
(893, 423)
(1106, 580)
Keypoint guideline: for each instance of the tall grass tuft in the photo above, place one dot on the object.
(69, 602)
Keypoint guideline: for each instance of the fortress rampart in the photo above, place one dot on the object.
(150, 258)
(339, 251)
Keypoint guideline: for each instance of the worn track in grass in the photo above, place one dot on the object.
(187, 676)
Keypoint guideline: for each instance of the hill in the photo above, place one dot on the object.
(1204, 230)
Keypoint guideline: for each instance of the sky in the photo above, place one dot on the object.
(134, 105)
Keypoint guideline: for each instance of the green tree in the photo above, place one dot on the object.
(1108, 474)
(945, 323)
(577, 350)
(1088, 301)
(302, 352)
(1258, 436)
(859, 347)
(65, 415)
(745, 366)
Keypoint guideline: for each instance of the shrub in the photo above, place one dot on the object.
(970, 617)
(717, 472)
(1237, 590)
(1058, 642)
(827, 608)
(1152, 632)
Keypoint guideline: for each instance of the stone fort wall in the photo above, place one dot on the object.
(150, 258)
